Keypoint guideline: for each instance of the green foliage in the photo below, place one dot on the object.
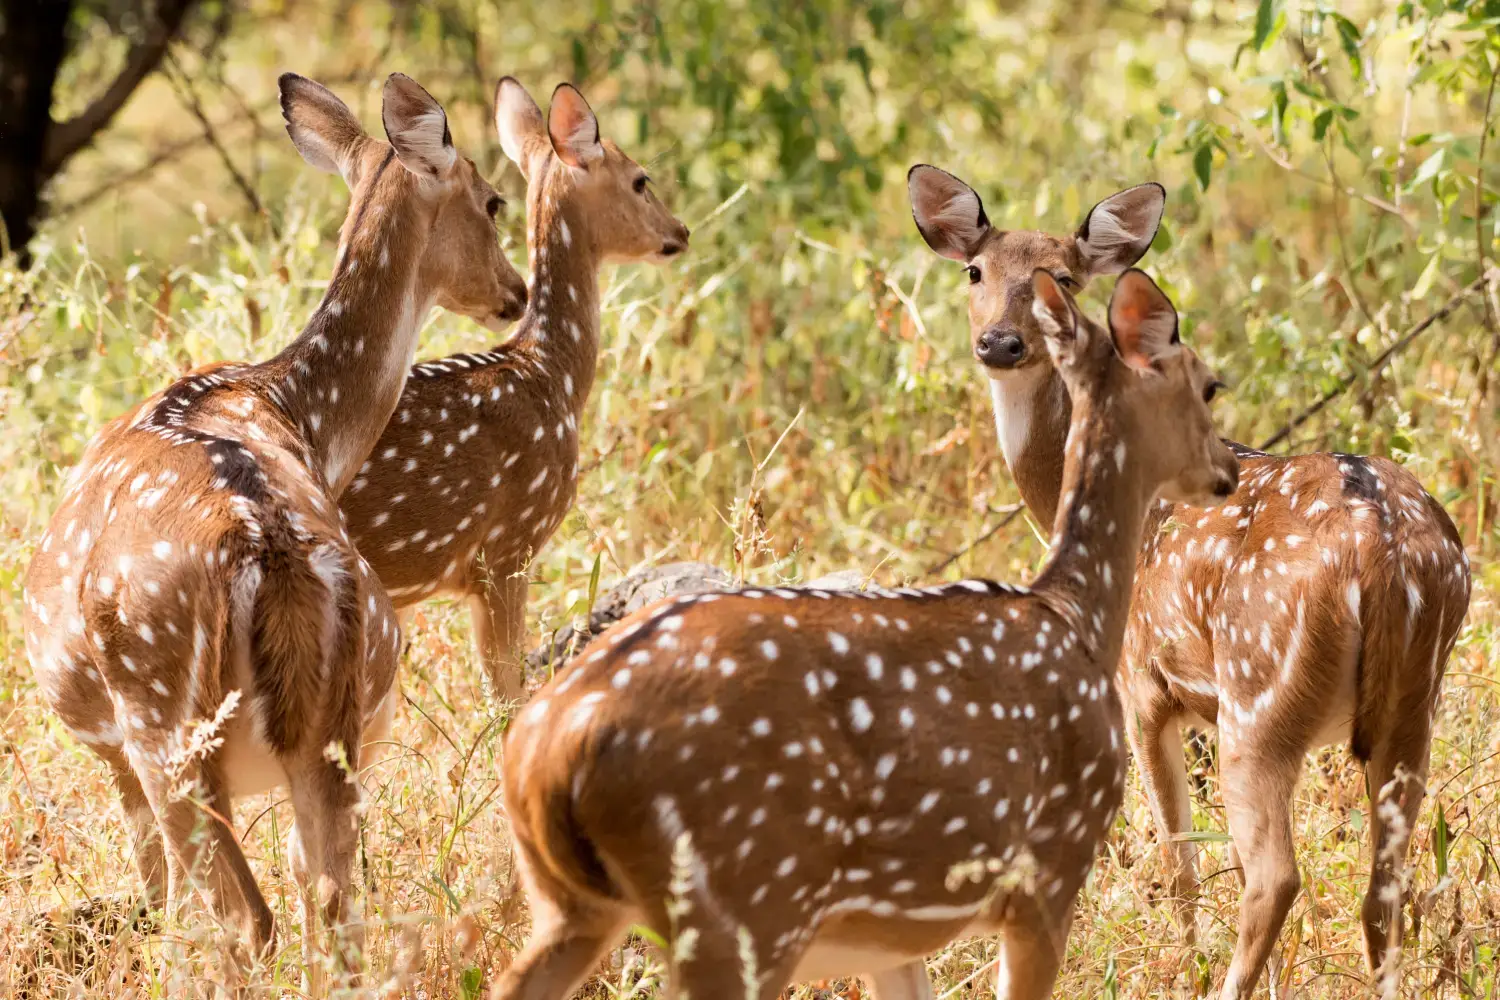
(1325, 193)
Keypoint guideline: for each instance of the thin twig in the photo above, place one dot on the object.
(183, 87)
(1010, 516)
(1376, 365)
(1479, 240)
(66, 138)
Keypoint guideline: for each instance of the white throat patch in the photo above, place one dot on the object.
(1015, 400)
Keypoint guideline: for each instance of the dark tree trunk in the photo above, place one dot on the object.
(33, 40)
(34, 148)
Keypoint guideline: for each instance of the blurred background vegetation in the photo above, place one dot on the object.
(797, 395)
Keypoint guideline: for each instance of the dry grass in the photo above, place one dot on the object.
(773, 329)
(434, 853)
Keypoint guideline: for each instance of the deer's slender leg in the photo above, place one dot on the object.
(562, 950)
(1396, 779)
(201, 845)
(145, 839)
(1156, 743)
(321, 847)
(498, 613)
(1031, 952)
(1258, 799)
(904, 982)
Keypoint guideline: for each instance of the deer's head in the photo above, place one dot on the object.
(564, 155)
(460, 264)
(1113, 235)
(1155, 386)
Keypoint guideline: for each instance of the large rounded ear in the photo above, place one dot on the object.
(1118, 231)
(322, 127)
(417, 127)
(1142, 321)
(948, 213)
(519, 122)
(573, 128)
(1057, 316)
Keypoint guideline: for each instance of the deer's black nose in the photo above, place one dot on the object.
(1000, 349)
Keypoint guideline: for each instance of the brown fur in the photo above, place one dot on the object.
(790, 784)
(198, 550)
(480, 464)
(1320, 603)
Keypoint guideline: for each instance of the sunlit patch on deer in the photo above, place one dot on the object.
(884, 771)
(1319, 604)
(481, 464)
(203, 626)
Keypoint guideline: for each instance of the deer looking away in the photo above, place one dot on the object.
(480, 463)
(799, 784)
(198, 553)
(1320, 604)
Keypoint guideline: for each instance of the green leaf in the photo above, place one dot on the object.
(471, 982)
(1349, 38)
(594, 580)
(1440, 838)
(1203, 166)
(1321, 122)
(1265, 18)
(1428, 170)
(1429, 274)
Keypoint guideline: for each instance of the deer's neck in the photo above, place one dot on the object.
(560, 331)
(340, 379)
(1096, 532)
(1032, 411)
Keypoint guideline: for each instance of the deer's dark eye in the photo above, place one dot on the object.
(640, 184)
(494, 205)
(1212, 390)
(1066, 280)
(974, 274)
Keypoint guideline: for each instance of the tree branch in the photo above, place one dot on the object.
(66, 138)
(1376, 365)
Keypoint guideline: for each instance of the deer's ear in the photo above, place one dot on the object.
(1118, 231)
(573, 128)
(519, 122)
(948, 213)
(1142, 321)
(1057, 316)
(322, 127)
(417, 127)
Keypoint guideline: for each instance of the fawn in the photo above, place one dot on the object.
(480, 464)
(1320, 604)
(799, 784)
(198, 553)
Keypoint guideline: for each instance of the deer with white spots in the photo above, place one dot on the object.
(1318, 605)
(480, 464)
(198, 554)
(800, 784)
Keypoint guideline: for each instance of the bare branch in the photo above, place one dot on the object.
(1376, 365)
(66, 138)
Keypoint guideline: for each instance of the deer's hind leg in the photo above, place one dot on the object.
(498, 613)
(1396, 780)
(1032, 946)
(904, 982)
(202, 850)
(1156, 743)
(1258, 799)
(568, 940)
(145, 835)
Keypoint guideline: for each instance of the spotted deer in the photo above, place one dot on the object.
(1318, 605)
(197, 564)
(798, 784)
(480, 463)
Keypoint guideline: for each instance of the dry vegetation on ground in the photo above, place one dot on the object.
(795, 397)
